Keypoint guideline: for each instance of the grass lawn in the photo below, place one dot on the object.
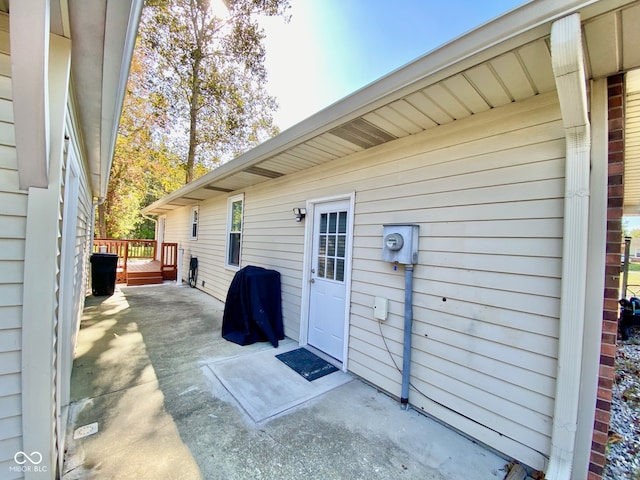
(633, 283)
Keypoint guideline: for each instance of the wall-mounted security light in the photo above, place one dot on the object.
(299, 213)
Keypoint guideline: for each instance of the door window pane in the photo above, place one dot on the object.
(330, 268)
(342, 222)
(322, 245)
(342, 239)
(321, 267)
(340, 270)
(332, 246)
(332, 222)
(323, 223)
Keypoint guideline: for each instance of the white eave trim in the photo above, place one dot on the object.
(567, 60)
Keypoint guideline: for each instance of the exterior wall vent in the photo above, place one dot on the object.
(362, 133)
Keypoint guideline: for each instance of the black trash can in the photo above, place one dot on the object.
(103, 273)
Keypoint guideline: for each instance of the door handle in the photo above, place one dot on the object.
(313, 280)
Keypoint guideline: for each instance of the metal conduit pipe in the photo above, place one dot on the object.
(408, 323)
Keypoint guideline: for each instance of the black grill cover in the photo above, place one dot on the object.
(253, 310)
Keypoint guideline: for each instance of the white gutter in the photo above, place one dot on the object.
(568, 68)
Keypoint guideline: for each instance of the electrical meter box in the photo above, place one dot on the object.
(400, 244)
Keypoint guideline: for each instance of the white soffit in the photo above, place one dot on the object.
(87, 48)
(103, 35)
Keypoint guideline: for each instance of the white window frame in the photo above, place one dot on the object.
(194, 222)
(230, 202)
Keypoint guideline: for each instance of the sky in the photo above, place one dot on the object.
(332, 48)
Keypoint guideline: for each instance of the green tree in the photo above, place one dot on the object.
(144, 167)
(209, 75)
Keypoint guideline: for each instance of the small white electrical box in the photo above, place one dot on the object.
(380, 308)
(400, 244)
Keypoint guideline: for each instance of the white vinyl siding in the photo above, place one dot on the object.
(487, 284)
(84, 242)
(73, 288)
(13, 212)
(176, 229)
(487, 192)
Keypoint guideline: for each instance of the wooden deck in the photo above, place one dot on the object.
(136, 260)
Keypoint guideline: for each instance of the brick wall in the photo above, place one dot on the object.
(615, 87)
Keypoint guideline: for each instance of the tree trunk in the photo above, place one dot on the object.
(193, 120)
(102, 221)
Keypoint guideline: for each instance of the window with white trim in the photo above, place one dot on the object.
(235, 209)
(194, 223)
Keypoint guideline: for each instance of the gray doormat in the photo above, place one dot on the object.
(307, 364)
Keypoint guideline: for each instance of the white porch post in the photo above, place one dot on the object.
(179, 267)
(568, 68)
(592, 340)
(41, 266)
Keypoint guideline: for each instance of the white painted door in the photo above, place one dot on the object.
(328, 289)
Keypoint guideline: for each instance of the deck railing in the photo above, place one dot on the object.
(169, 260)
(139, 250)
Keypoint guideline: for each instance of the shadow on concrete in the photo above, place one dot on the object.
(144, 370)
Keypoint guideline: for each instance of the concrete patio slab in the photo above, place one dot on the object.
(152, 371)
(265, 387)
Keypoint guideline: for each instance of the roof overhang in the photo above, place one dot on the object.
(505, 60)
(102, 34)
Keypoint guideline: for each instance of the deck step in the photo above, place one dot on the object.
(144, 278)
(144, 281)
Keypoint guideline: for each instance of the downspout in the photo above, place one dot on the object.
(568, 68)
(92, 234)
(625, 266)
(147, 217)
(94, 205)
(155, 229)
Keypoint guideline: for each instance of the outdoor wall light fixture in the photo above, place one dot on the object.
(299, 213)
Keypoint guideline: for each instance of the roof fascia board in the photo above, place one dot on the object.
(517, 27)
